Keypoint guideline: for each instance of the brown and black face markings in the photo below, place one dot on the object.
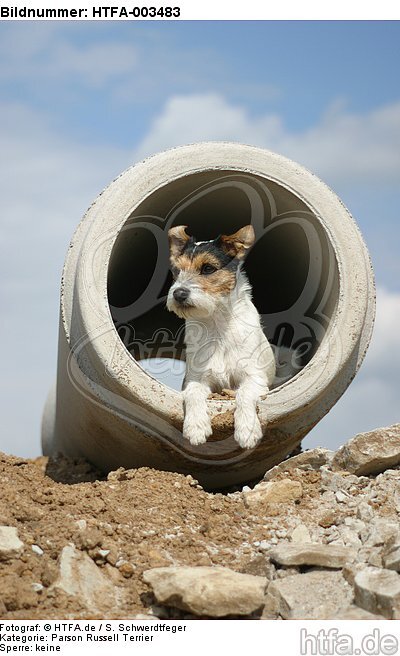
(214, 263)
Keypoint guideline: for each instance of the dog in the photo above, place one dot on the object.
(225, 343)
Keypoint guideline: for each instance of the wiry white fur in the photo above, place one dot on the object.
(225, 348)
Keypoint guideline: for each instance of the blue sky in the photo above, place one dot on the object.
(80, 102)
(295, 68)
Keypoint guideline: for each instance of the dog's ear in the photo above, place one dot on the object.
(238, 244)
(178, 239)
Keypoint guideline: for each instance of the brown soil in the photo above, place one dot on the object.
(134, 520)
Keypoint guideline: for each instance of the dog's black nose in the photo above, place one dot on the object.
(181, 294)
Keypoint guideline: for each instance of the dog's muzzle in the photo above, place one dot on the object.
(181, 294)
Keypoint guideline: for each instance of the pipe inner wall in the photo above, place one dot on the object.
(292, 267)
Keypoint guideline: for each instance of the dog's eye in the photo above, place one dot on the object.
(207, 269)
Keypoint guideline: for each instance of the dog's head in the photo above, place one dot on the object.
(205, 272)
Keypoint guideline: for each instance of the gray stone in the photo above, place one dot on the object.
(314, 595)
(259, 566)
(286, 571)
(391, 557)
(365, 511)
(37, 587)
(80, 577)
(370, 453)
(354, 613)
(334, 481)
(311, 459)
(10, 544)
(322, 555)
(375, 558)
(300, 534)
(371, 555)
(350, 570)
(356, 525)
(209, 591)
(337, 542)
(379, 531)
(378, 591)
(349, 536)
(266, 493)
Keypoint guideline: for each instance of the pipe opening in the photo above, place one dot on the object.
(292, 267)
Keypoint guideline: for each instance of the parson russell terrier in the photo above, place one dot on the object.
(225, 344)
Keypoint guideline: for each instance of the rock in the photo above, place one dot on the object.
(329, 518)
(334, 481)
(10, 544)
(89, 539)
(126, 569)
(364, 511)
(354, 613)
(350, 531)
(350, 571)
(375, 559)
(286, 571)
(378, 591)
(311, 459)
(259, 566)
(379, 531)
(300, 534)
(313, 595)
(80, 577)
(356, 525)
(37, 587)
(282, 491)
(391, 555)
(370, 453)
(156, 558)
(349, 537)
(121, 474)
(322, 555)
(210, 591)
(264, 546)
(337, 542)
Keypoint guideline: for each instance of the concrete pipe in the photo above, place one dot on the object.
(312, 285)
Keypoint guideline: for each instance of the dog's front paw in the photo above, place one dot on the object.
(248, 433)
(196, 429)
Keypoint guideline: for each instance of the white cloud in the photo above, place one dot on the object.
(46, 175)
(372, 400)
(344, 146)
(46, 52)
(205, 117)
(383, 360)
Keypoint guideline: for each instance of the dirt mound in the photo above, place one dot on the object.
(80, 529)
(134, 521)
